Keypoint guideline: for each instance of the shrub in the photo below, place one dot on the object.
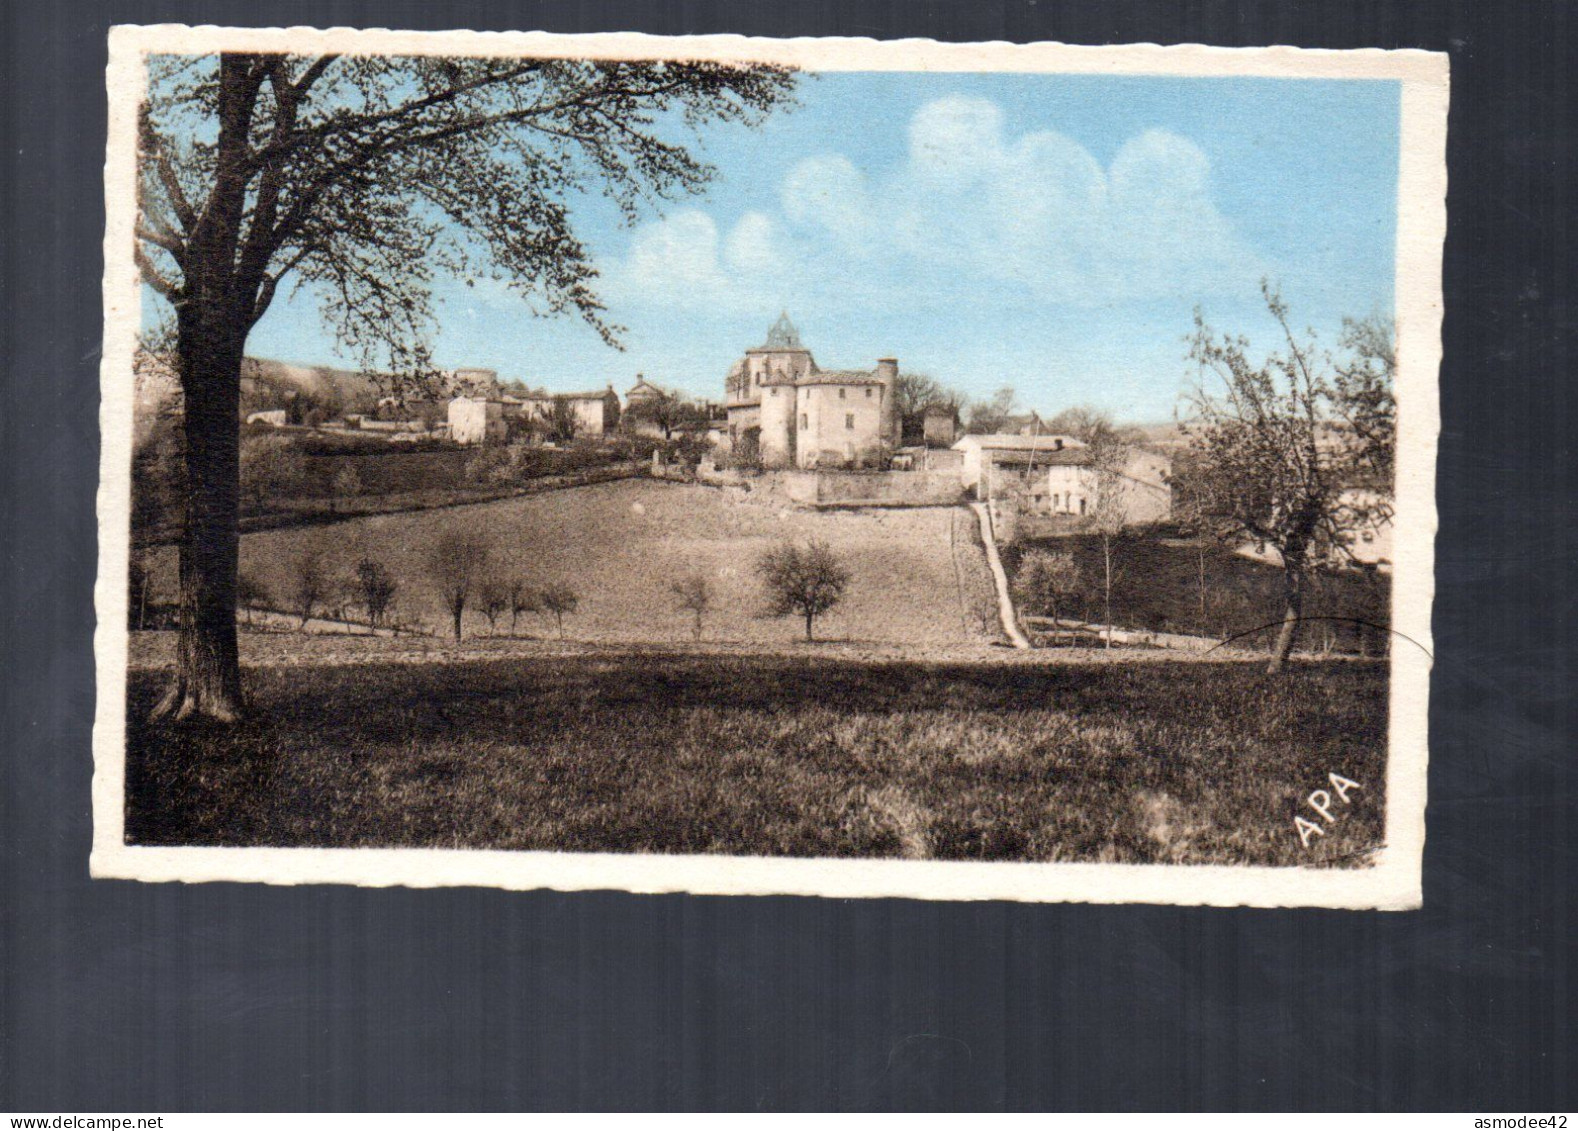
(271, 468)
(493, 600)
(347, 483)
(523, 599)
(1047, 583)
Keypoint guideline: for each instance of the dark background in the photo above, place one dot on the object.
(137, 998)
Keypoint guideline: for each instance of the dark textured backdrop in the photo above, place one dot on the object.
(121, 997)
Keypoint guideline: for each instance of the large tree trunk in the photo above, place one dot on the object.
(208, 672)
(1293, 590)
(213, 316)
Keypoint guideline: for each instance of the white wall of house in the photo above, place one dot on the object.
(973, 447)
(838, 424)
(780, 437)
(1142, 485)
(475, 420)
(590, 412)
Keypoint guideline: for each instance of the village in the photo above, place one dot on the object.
(1060, 529)
(784, 415)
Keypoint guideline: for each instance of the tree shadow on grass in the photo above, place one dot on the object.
(778, 755)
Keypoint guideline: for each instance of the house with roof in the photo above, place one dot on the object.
(643, 391)
(1135, 483)
(1005, 449)
(593, 413)
(1060, 475)
(790, 412)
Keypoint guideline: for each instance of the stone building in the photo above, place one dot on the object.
(476, 420)
(595, 413)
(1138, 484)
(643, 391)
(939, 426)
(982, 451)
(785, 408)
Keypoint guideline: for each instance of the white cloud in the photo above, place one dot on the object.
(955, 139)
(682, 261)
(1037, 215)
(827, 191)
(1041, 212)
(680, 250)
(753, 244)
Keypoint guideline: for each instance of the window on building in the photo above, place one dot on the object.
(868, 393)
(775, 390)
(1082, 504)
(849, 420)
(842, 393)
(805, 421)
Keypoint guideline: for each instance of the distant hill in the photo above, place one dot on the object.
(1165, 437)
(268, 383)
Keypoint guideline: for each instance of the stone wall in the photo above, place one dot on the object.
(871, 488)
(843, 488)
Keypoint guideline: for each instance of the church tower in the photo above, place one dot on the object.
(772, 371)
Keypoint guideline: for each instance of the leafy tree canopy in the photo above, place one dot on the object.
(361, 177)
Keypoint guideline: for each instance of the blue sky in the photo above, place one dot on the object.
(1050, 232)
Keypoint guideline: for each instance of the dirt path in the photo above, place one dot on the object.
(1005, 603)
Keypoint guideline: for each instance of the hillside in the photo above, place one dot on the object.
(319, 383)
(919, 576)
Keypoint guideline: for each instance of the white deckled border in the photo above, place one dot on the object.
(1394, 882)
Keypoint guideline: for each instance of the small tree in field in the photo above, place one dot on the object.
(347, 484)
(309, 582)
(1047, 583)
(1296, 448)
(1110, 514)
(523, 599)
(693, 594)
(803, 581)
(376, 588)
(560, 600)
(250, 593)
(271, 469)
(457, 563)
(493, 600)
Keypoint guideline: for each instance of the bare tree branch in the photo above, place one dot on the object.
(153, 278)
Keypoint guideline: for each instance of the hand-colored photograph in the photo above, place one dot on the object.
(747, 466)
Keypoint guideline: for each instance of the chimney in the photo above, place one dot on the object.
(888, 374)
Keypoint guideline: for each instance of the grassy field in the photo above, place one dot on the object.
(777, 755)
(919, 576)
(1156, 586)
